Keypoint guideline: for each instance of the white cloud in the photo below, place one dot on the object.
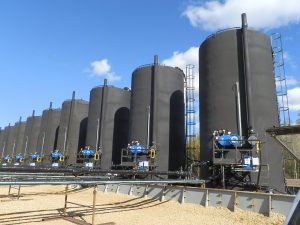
(294, 99)
(182, 59)
(103, 68)
(288, 60)
(113, 77)
(290, 81)
(100, 67)
(262, 14)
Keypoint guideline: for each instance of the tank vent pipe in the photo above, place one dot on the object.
(247, 75)
(73, 95)
(105, 83)
(238, 100)
(20, 119)
(50, 107)
(33, 113)
(244, 20)
(155, 59)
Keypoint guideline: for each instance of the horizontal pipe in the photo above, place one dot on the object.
(97, 182)
(75, 171)
(47, 176)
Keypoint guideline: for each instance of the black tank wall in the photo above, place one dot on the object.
(109, 114)
(161, 88)
(19, 136)
(72, 128)
(220, 66)
(31, 134)
(9, 141)
(48, 131)
(4, 140)
(1, 140)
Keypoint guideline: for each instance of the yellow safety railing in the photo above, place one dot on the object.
(39, 159)
(97, 157)
(152, 153)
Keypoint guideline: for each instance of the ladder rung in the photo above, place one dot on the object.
(191, 123)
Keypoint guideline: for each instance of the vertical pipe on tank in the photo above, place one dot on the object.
(247, 73)
(238, 101)
(154, 85)
(100, 126)
(30, 131)
(155, 59)
(97, 134)
(148, 126)
(26, 144)
(68, 125)
(17, 135)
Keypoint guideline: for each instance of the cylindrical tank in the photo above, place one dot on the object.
(72, 128)
(4, 140)
(157, 113)
(239, 57)
(19, 136)
(47, 140)
(108, 123)
(9, 144)
(1, 139)
(31, 134)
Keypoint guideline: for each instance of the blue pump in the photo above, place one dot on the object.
(56, 155)
(87, 152)
(229, 140)
(135, 149)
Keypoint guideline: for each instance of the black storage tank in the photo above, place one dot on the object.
(108, 122)
(243, 56)
(1, 138)
(4, 134)
(8, 146)
(47, 140)
(157, 112)
(31, 134)
(72, 128)
(19, 136)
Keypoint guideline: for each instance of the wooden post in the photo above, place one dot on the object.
(19, 190)
(94, 205)
(66, 200)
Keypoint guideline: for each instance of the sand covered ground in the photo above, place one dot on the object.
(46, 202)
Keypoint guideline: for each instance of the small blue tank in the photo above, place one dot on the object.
(6, 158)
(34, 156)
(56, 155)
(19, 157)
(229, 140)
(135, 149)
(87, 152)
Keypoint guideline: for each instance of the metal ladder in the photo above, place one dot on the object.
(14, 195)
(190, 113)
(280, 79)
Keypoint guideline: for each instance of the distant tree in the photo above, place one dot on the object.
(193, 152)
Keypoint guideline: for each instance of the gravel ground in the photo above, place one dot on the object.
(46, 202)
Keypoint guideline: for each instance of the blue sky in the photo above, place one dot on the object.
(50, 48)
